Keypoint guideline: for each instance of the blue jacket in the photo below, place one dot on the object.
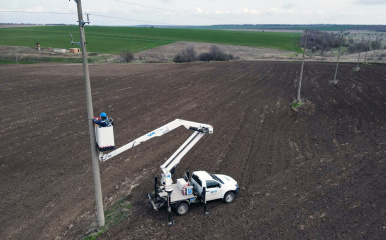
(102, 122)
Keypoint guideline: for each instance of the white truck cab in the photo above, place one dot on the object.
(218, 186)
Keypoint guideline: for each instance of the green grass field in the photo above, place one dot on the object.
(279, 27)
(114, 39)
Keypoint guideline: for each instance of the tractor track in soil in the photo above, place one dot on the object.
(317, 173)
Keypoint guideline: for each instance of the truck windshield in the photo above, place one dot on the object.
(216, 178)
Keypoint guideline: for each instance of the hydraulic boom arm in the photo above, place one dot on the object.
(199, 128)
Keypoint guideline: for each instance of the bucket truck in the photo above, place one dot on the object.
(201, 187)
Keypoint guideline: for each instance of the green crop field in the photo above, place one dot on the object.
(277, 27)
(114, 39)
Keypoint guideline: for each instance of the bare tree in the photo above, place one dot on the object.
(215, 54)
(321, 41)
(126, 55)
(186, 55)
(374, 46)
(359, 55)
(337, 62)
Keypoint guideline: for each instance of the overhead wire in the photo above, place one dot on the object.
(134, 4)
(46, 36)
(176, 11)
(97, 15)
(125, 2)
(105, 16)
(7, 11)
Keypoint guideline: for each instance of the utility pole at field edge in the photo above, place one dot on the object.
(90, 116)
(337, 62)
(301, 71)
(360, 50)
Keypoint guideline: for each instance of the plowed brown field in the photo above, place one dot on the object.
(318, 173)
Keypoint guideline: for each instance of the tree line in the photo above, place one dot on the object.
(325, 41)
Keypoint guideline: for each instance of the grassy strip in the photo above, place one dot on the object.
(31, 60)
(114, 39)
(14, 62)
(295, 105)
(114, 215)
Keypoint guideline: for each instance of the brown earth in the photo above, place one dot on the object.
(314, 174)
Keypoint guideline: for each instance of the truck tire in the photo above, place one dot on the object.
(182, 208)
(229, 197)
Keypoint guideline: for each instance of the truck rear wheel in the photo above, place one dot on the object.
(182, 208)
(229, 197)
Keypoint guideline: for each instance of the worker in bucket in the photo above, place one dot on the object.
(103, 120)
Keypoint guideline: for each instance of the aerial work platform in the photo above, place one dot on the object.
(104, 138)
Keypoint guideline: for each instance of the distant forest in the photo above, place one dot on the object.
(320, 27)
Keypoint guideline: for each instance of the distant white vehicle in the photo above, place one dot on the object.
(58, 50)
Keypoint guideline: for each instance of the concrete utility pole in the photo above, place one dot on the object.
(360, 50)
(90, 116)
(301, 71)
(337, 62)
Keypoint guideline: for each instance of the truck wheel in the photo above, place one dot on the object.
(229, 197)
(182, 208)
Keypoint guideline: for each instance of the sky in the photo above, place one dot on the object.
(197, 12)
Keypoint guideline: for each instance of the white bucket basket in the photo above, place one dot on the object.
(105, 138)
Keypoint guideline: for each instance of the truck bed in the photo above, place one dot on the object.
(176, 195)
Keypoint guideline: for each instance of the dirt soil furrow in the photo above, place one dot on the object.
(316, 173)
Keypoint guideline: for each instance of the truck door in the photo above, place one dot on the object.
(197, 184)
(213, 190)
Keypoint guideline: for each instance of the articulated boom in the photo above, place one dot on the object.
(199, 130)
(172, 162)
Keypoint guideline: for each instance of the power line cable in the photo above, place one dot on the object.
(46, 36)
(135, 4)
(97, 15)
(105, 16)
(181, 12)
(7, 11)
